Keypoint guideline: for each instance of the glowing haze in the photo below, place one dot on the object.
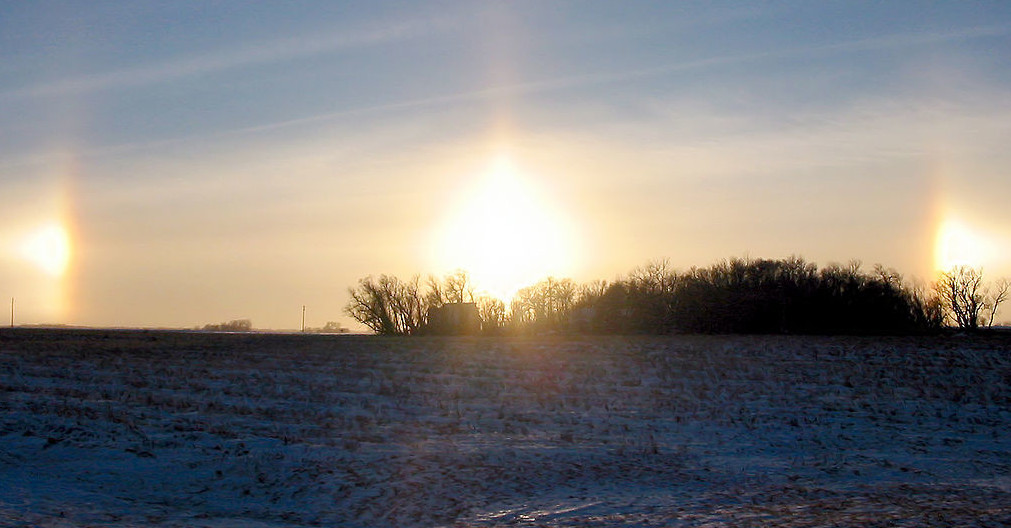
(504, 234)
(178, 164)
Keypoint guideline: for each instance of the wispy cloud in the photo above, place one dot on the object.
(904, 40)
(215, 61)
(292, 48)
(589, 79)
(893, 41)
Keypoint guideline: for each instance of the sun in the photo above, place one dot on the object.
(504, 234)
(49, 249)
(957, 244)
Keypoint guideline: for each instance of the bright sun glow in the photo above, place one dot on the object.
(49, 249)
(504, 235)
(958, 245)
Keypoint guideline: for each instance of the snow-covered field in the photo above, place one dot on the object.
(117, 428)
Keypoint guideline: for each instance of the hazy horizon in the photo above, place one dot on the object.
(182, 164)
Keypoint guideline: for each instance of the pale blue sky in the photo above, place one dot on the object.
(219, 160)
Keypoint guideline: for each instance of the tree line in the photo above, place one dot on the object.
(236, 325)
(737, 295)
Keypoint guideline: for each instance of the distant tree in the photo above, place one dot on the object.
(387, 305)
(455, 287)
(332, 327)
(237, 325)
(590, 292)
(656, 276)
(745, 295)
(963, 295)
(458, 287)
(545, 305)
(926, 307)
(651, 298)
(493, 314)
(737, 295)
(997, 297)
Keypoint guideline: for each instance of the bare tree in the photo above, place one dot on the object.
(237, 325)
(926, 306)
(492, 312)
(963, 295)
(998, 296)
(387, 305)
(656, 276)
(546, 304)
(592, 291)
(458, 287)
(455, 287)
(436, 295)
(369, 306)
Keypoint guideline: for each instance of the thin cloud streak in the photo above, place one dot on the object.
(868, 44)
(575, 81)
(403, 31)
(270, 52)
(916, 39)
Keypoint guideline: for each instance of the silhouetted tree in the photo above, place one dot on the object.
(737, 295)
(962, 292)
(966, 298)
(651, 300)
(743, 295)
(591, 291)
(387, 305)
(545, 306)
(455, 287)
(997, 297)
(236, 325)
(333, 327)
(655, 276)
(927, 308)
(590, 308)
(493, 314)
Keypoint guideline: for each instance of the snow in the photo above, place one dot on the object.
(121, 428)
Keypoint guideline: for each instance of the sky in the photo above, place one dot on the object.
(173, 164)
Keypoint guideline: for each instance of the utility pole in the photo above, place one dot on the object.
(303, 318)
(12, 312)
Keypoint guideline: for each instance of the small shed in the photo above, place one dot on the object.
(454, 319)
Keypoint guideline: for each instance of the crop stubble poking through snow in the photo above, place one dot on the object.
(103, 428)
